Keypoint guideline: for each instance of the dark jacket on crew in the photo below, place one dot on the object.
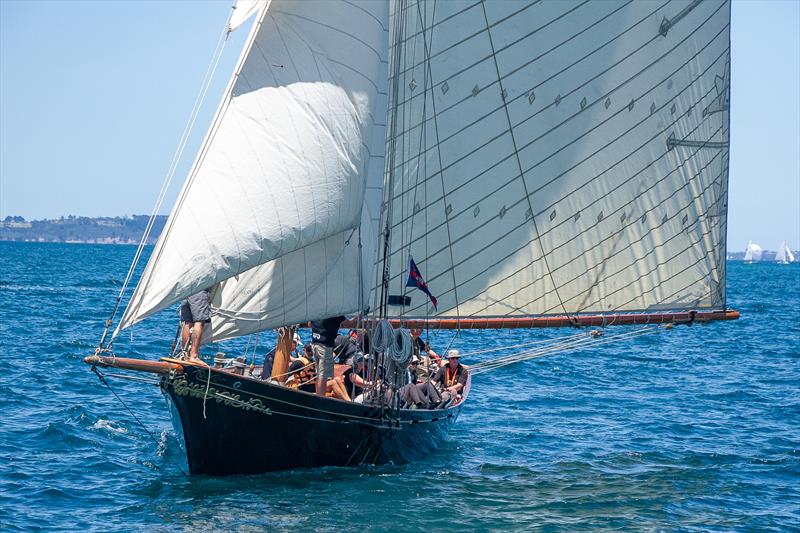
(324, 331)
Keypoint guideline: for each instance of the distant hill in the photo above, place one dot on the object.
(105, 230)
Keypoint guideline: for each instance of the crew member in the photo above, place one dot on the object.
(323, 337)
(195, 313)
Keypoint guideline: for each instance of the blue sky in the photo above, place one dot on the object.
(95, 95)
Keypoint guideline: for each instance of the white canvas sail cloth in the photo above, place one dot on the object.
(285, 162)
(557, 157)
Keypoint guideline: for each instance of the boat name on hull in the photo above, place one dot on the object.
(196, 390)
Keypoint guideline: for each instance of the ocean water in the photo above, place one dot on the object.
(693, 428)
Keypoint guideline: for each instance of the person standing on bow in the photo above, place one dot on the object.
(195, 313)
(323, 338)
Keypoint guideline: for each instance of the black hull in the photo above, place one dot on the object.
(289, 429)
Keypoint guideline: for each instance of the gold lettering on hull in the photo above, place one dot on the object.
(196, 390)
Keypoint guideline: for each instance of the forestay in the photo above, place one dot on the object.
(281, 178)
(560, 157)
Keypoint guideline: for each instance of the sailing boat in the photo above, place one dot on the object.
(784, 255)
(752, 252)
(544, 164)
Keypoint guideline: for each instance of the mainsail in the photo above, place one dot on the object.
(282, 177)
(558, 157)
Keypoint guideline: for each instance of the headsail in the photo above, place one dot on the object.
(560, 157)
(285, 162)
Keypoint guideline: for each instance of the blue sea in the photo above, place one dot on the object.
(693, 428)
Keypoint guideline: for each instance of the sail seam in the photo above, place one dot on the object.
(477, 33)
(519, 162)
(530, 62)
(606, 95)
(576, 165)
(587, 250)
(625, 267)
(426, 51)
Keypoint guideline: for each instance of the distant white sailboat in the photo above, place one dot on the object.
(753, 252)
(784, 255)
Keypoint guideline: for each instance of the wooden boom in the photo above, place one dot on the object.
(559, 321)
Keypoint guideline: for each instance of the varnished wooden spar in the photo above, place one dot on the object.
(140, 365)
(561, 321)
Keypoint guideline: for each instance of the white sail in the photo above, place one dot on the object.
(784, 254)
(286, 160)
(243, 10)
(753, 252)
(555, 157)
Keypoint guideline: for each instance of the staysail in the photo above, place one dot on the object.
(558, 157)
(282, 175)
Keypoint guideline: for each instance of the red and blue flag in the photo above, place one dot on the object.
(415, 280)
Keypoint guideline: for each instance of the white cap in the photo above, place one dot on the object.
(453, 354)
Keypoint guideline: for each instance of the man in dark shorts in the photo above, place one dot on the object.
(323, 338)
(195, 313)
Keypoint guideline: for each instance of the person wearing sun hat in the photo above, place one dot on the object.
(451, 378)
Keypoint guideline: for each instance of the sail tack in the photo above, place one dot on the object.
(560, 157)
(286, 161)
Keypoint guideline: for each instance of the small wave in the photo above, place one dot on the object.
(163, 440)
(110, 426)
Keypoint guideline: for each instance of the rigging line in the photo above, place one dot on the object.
(466, 38)
(587, 82)
(101, 377)
(689, 246)
(535, 354)
(519, 165)
(559, 344)
(540, 83)
(633, 221)
(520, 225)
(210, 135)
(638, 260)
(389, 180)
(194, 112)
(514, 346)
(427, 62)
(604, 121)
(422, 139)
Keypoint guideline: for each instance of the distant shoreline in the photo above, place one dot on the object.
(81, 230)
(127, 230)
